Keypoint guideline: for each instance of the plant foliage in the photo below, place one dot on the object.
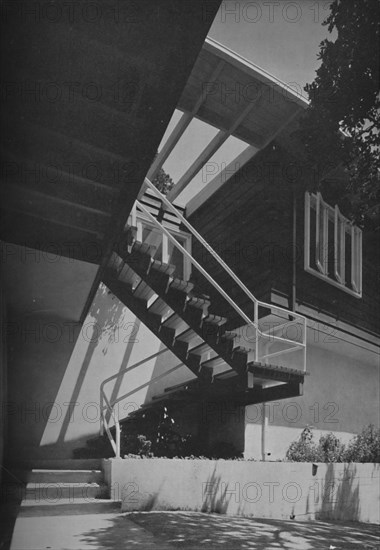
(364, 447)
(163, 182)
(341, 126)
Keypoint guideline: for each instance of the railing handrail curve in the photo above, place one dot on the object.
(209, 248)
(238, 310)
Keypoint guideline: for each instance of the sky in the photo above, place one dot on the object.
(279, 36)
(282, 37)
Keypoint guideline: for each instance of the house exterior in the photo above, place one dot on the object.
(275, 328)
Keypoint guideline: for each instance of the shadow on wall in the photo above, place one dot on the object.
(196, 530)
(215, 495)
(343, 495)
(340, 494)
(37, 364)
(341, 499)
(104, 318)
(64, 378)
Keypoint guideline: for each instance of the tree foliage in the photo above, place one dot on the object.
(163, 181)
(341, 126)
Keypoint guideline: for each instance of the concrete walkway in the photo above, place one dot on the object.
(188, 530)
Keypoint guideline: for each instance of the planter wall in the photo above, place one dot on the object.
(277, 490)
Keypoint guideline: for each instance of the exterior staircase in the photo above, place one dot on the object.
(162, 294)
(179, 316)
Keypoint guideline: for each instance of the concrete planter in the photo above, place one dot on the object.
(276, 490)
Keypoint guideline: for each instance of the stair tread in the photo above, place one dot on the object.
(48, 484)
(198, 302)
(61, 464)
(231, 373)
(254, 364)
(174, 321)
(180, 284)
(77, 506)
(168, 269)
(181, 317)
(159, 306)
(200, 348)
(143, 290)
(188, 335)
(215, 319)
(210, 362)
(182, 385)
(60, 471)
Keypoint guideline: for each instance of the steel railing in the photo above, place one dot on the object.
(268, 337)
(107, 410)
(257, 303)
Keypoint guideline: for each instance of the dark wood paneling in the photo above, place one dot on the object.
(90, 85)
(249, 223)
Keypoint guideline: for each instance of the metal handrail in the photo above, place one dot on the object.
(193, 231)
(105, 405)
(103, 397)
(221, 290)
(209, 248)
(116, 443)
(134, 366)
(104, 425)
(195, 263)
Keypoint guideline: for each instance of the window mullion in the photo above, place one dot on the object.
(320, 236)
(339, 246)
(353, 260)
(356, 254)
(307, 232)
(343, 251)
(319, 263)
(325, 239)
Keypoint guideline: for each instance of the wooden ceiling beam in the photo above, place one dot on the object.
(207, 153)
(181, 127)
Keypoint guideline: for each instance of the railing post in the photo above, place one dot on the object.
(304, 344)
(165, 249)
(256, 323)
(101, 413)
(117, 429)
(139, 233)
(134, 215)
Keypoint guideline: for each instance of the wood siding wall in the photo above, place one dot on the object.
(248, 221)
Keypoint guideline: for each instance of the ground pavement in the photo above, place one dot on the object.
(72, 530)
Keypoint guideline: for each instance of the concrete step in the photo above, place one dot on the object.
(58, 464)
(67, 507)
(37, 475)
(64, 476)
(55, 492)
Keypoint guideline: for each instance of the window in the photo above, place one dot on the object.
(333, 245)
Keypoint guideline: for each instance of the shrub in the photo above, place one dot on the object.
(303, 450)
(136, 445)
(364, 447)
(330, 449)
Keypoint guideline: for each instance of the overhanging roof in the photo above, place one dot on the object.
(240, 88)
(238, 98)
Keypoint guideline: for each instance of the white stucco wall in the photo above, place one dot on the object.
(341, 395)
(348, 492)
